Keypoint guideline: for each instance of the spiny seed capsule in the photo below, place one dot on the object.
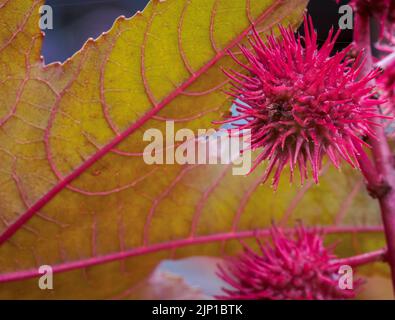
(301, 103)
(294, 266)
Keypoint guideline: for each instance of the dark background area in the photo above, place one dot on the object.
(74, 21)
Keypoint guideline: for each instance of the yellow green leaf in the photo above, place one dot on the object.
(75, 192)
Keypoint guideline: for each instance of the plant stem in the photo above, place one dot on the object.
(381, 151)
(372, 181)
(365, 258)
(386, 62)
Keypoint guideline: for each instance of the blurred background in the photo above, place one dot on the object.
(74, 21)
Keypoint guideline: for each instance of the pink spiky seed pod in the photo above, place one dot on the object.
(295, 266)
(300, 103)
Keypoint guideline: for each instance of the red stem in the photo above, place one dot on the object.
(368, 169)
(168, 245)
(381, 152)
(365, 258)
(386, 61)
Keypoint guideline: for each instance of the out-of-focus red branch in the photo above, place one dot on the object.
(381, 151)
(365, 258)
(386, 61)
